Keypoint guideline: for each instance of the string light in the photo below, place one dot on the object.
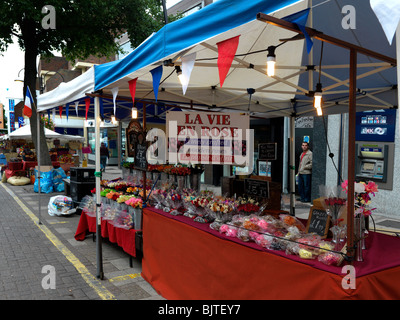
(134, 113)
(318, 99)
(271, 60)
(181, 77)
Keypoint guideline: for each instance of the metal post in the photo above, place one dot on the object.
(292, 167)
(99, 253)
(351, 152)
(39, 175)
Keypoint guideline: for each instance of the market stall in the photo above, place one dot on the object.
(26, 160)
(195, 41)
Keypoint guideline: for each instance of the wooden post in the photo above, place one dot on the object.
(351, 152)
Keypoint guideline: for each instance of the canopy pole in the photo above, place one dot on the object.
(144, 172)
(99, 253)
(38, 161)
(351, 153)
(292, 165)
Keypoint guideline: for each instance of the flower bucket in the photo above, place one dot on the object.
(137, 218)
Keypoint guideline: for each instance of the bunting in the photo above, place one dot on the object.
(388, 14)
(157, 74)
(300, 20)
(114, 92)
(226, 53)
(76, 107)
(87, 103)
(132, 89)
(53, 115)
(187, 67)
(60, 110)
(67, 110)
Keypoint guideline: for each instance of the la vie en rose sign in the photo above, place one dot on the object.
(207, 138)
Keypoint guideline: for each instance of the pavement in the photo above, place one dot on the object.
(43, 261)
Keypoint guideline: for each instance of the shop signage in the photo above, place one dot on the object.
(376, 125)
(256, 188)
(209, 138)
(267, 151)
(318, 222)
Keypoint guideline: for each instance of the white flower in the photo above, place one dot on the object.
(359, 187)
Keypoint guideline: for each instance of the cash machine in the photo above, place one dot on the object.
(375, 147)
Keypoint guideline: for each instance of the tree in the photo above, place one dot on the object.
(77, 28)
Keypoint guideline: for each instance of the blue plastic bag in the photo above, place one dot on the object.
(46, 182)
(58, 176)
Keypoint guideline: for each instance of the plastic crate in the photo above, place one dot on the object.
(82, 174)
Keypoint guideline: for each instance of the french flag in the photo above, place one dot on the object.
(28, 103)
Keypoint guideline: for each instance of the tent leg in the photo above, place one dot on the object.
(292, 167)
(38, 158)
(351, 153)
(99, 253)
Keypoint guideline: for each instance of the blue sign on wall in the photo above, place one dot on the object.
(376, 125)
(21, 122)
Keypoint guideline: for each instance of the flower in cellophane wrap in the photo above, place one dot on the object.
(333, 200)
(174, 201)
(221, 209)
(189, 206)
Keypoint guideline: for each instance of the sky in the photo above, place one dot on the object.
(11, 62)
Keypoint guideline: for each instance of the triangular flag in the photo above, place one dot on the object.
(300, 19)
(388, 14)
(76, 107)
(53, 115)
(60, 108)
(67, 110)
(114, 92)
(48, 114)
(226, 53)
(28, 103)
(101, 108)
(87, 102)
(187, 67)
(157, 74)
(132, 89)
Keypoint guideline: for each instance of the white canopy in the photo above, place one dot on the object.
(25, 133)
(67, 91)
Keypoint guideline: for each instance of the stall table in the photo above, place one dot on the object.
(183, 259)
(122, 237)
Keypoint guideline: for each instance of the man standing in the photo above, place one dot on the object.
(104, 154)
(305, 168)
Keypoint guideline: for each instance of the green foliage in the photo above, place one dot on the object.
(82, 28)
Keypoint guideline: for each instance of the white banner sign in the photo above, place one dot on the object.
(209, 138)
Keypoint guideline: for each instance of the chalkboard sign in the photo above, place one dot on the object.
(256, 188)
(318, 222)
(267, 151)
(140, 156)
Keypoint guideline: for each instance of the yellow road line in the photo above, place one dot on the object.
(125, 277)
(92, 281)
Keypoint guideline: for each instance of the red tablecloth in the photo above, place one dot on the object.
(122, 237)
(183, 259)
(29, 164)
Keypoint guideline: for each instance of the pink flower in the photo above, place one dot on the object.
(371, 187)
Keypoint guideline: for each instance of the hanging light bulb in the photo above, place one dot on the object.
(318, 99)
(113, 119)
(134, 113)
(181, 77)
(271, 60)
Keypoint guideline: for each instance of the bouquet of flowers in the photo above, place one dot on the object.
(174, 201)
(221, 209)
(134, 202)
(334, 201)
(362, 196)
